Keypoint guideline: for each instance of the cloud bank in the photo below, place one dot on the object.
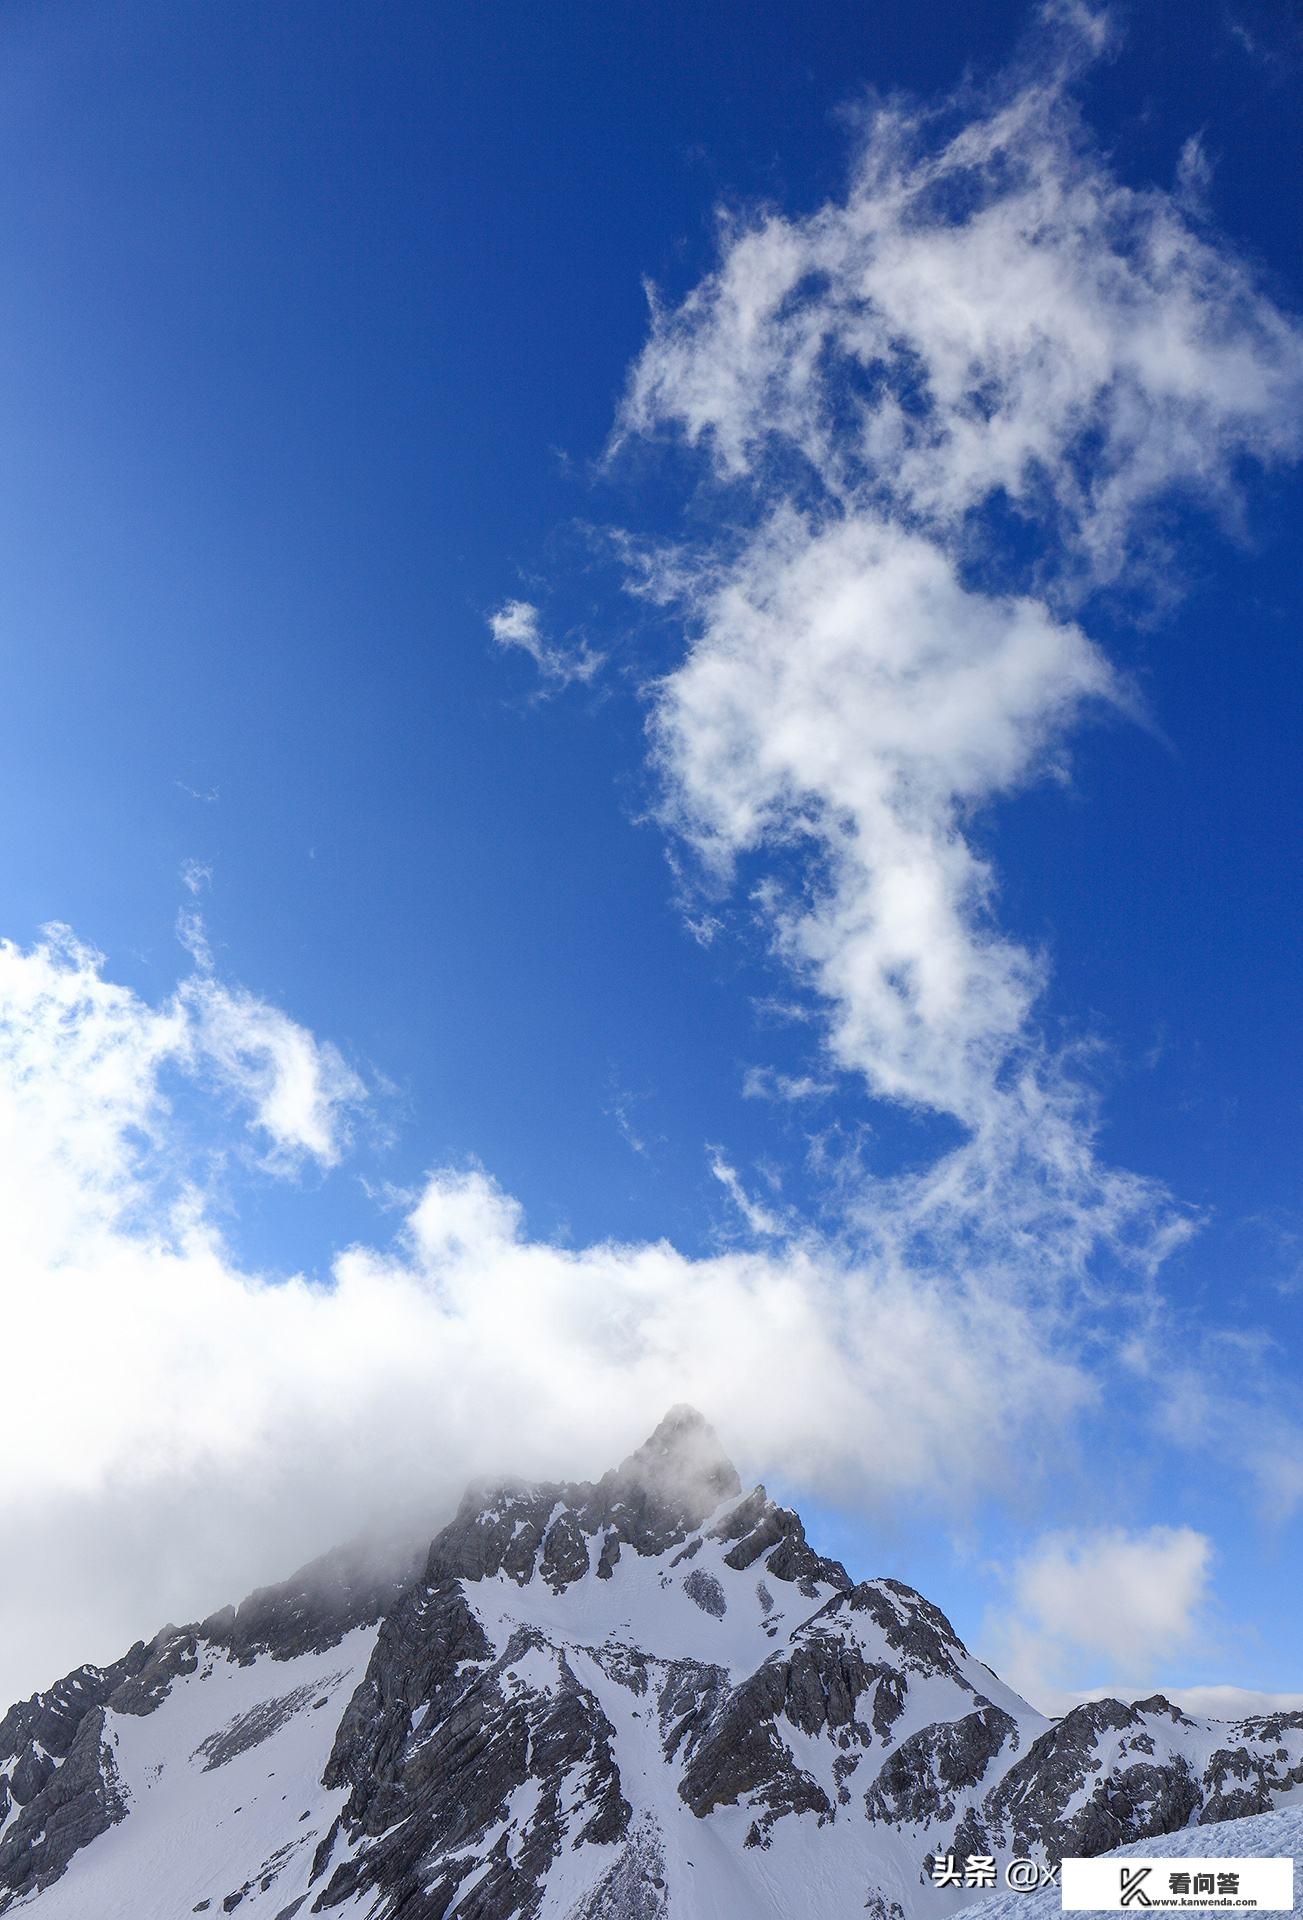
(182, 1428)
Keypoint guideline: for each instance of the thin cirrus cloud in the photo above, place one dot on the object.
(518, 623)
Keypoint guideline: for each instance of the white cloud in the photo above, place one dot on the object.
(847, 695)
(517, 623)
(300, 1088)
(764, 1083)
(987, 328)
(1125, 1602)
(181, 1429)
(987, 310)
(759, 1219)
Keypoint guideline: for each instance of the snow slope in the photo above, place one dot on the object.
(1262, 1836)
(216, 1782)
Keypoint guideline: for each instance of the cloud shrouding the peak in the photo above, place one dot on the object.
(213, 1426)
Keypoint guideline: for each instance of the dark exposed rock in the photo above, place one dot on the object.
(565, 1553)
(417, 1672)
(171, 1653)
(737, 1750)
(1158, 1703)
(759, 1527)
(741, 1755)
(353, 1586)
(77, 1802)
(34, 1768)
(923, 1780)
(1129, 1798)
(250, 1728)
(825, 1680)
(430, 1793)
(1248, 1779)
(1269, 1727)
(705, 1589)
(62, 1776)
(913, 1628)
(134, 1684)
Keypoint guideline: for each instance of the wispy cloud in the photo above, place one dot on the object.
(621, 1111)
(986, 322)
(517, 623)
(192, 932)
(299, 1090)
(760, 1220)
(765, 1083)
(987, 312)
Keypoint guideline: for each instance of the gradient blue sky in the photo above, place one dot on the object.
(314, 321)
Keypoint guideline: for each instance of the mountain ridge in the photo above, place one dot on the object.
(642, 1696)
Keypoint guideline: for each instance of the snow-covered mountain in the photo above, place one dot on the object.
(644, 1699)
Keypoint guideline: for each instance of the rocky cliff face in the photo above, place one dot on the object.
(631, 1700)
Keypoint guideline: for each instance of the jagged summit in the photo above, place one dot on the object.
(683, 1466)
(642, 1698)
(656, 1498)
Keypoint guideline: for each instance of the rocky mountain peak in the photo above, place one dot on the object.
(681, 1469)
(642, 1698)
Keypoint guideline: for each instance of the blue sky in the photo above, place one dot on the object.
(315, 326)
